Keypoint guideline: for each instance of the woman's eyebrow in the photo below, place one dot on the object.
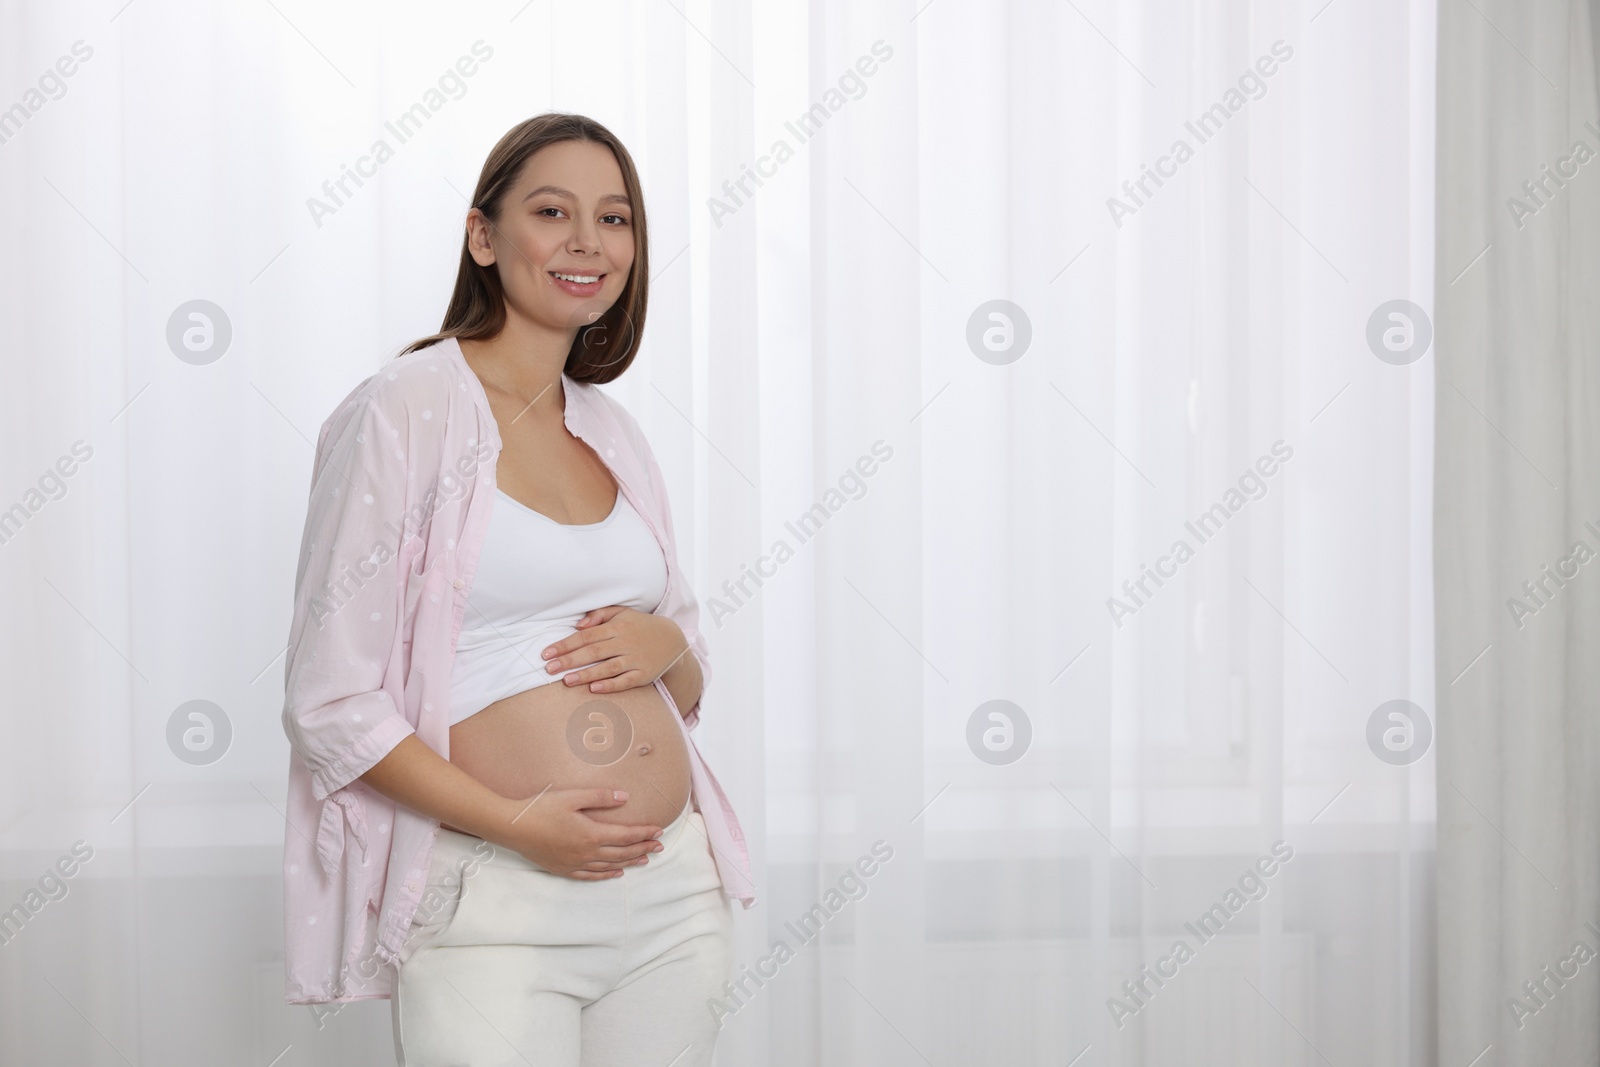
(609, 198)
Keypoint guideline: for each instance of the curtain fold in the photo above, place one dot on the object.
(1517, 512)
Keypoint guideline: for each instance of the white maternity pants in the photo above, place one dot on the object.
(508, 964)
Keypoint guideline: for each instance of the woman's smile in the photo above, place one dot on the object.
(579, 283)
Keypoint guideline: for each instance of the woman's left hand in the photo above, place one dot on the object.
(618, 648)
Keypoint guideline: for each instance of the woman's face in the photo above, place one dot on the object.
(563, 243)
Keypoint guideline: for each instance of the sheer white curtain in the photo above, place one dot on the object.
(1519, 842)
(902, 500)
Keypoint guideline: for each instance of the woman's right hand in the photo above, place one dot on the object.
(554, 831)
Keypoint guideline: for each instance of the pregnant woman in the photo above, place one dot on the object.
(497, 814)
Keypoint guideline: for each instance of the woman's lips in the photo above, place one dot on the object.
(579, 288)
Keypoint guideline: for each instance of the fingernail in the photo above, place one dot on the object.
(619, 794)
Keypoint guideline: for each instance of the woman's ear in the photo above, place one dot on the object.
(478, 238)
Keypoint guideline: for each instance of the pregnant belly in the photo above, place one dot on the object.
(565, 737)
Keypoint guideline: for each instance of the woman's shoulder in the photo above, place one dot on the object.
(421, 394)
(424, 386)
(610, 413)
(424, 380)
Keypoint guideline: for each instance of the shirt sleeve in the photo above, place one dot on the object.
(682, 608)
(339, 718)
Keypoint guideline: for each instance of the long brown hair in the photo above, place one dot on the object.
(602, 350)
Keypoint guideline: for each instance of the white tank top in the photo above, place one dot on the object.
(535, 579)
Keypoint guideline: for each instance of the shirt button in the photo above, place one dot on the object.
(458, 583)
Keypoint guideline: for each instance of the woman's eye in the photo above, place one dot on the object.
(614, 219)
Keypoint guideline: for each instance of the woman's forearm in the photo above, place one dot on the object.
(424, 781)
(684, 681)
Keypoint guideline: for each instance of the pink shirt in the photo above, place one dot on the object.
(401, 492)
